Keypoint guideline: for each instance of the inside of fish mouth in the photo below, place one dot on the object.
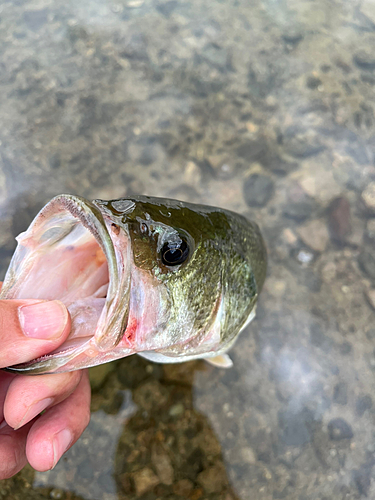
(68, 264)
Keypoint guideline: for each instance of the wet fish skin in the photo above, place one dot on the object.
(200, 306)
(229, 255)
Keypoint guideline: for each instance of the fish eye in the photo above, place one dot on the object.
(174, 253)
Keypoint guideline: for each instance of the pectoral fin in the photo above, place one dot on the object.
(221, 361)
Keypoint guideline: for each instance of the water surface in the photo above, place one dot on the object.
(262, 107)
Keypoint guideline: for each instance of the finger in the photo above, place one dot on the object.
(12, 450)
(31, 328)
(28, 396)
(5, 380)
(58, 429)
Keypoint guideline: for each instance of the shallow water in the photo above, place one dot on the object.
(262, 107)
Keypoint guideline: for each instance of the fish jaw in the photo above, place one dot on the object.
(72, 253)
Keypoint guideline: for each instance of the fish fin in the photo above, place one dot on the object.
(221, 361)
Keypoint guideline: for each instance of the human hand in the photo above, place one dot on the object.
(29, 329)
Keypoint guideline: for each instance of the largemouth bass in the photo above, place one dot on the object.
(168, 280)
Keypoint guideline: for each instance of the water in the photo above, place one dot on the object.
(265, 108)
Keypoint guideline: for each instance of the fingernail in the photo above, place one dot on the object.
(3, 424)
(61, 443)
(33, 411)
(43, 320)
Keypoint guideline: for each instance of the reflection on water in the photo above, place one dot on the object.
(262, 107)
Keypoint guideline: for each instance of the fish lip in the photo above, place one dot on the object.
(92, 217)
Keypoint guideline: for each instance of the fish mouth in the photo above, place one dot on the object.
(76, 253)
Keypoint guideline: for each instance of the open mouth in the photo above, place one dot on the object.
(72, 253)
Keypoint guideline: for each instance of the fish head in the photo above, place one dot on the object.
(139, 275)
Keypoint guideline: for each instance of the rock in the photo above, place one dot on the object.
(215, 56)
(293, 36)
(252, 150)
(339, 429)
(368, 197)
(213, 479)
(339, 220)
(299, 205)
(289, 236)
(278, 165)
(176, 410)
(364, 59)
(167, 8)
(366, 261)
(183, 488)
(340, 393)
(315, 235)
(302, 143)
(313, 82)
(370, 296)
(224, 168)
(248, 455)
(162, 463)
(144, 480)
(258, 190)
(362, 404)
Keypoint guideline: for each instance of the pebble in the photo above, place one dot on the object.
(339, 429)
(313, 82)
(248, 455)
(183, 487)
(177, 410)
(258, 190)
(366, 261)
(370, 296)
(370, 231)
(162, 463)
(364, 59)
(368, 197)
(289, 236)
(315, 235)
(339, 220)
(329, 272)
(144, 480)
(302, 144)
(293, 36)
(134, 4)
(56, 494)
(213, 479)
(299, 205)
(252, 150)
(362, 404)
(340, 393)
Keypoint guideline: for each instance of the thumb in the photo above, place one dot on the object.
(31, 328)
